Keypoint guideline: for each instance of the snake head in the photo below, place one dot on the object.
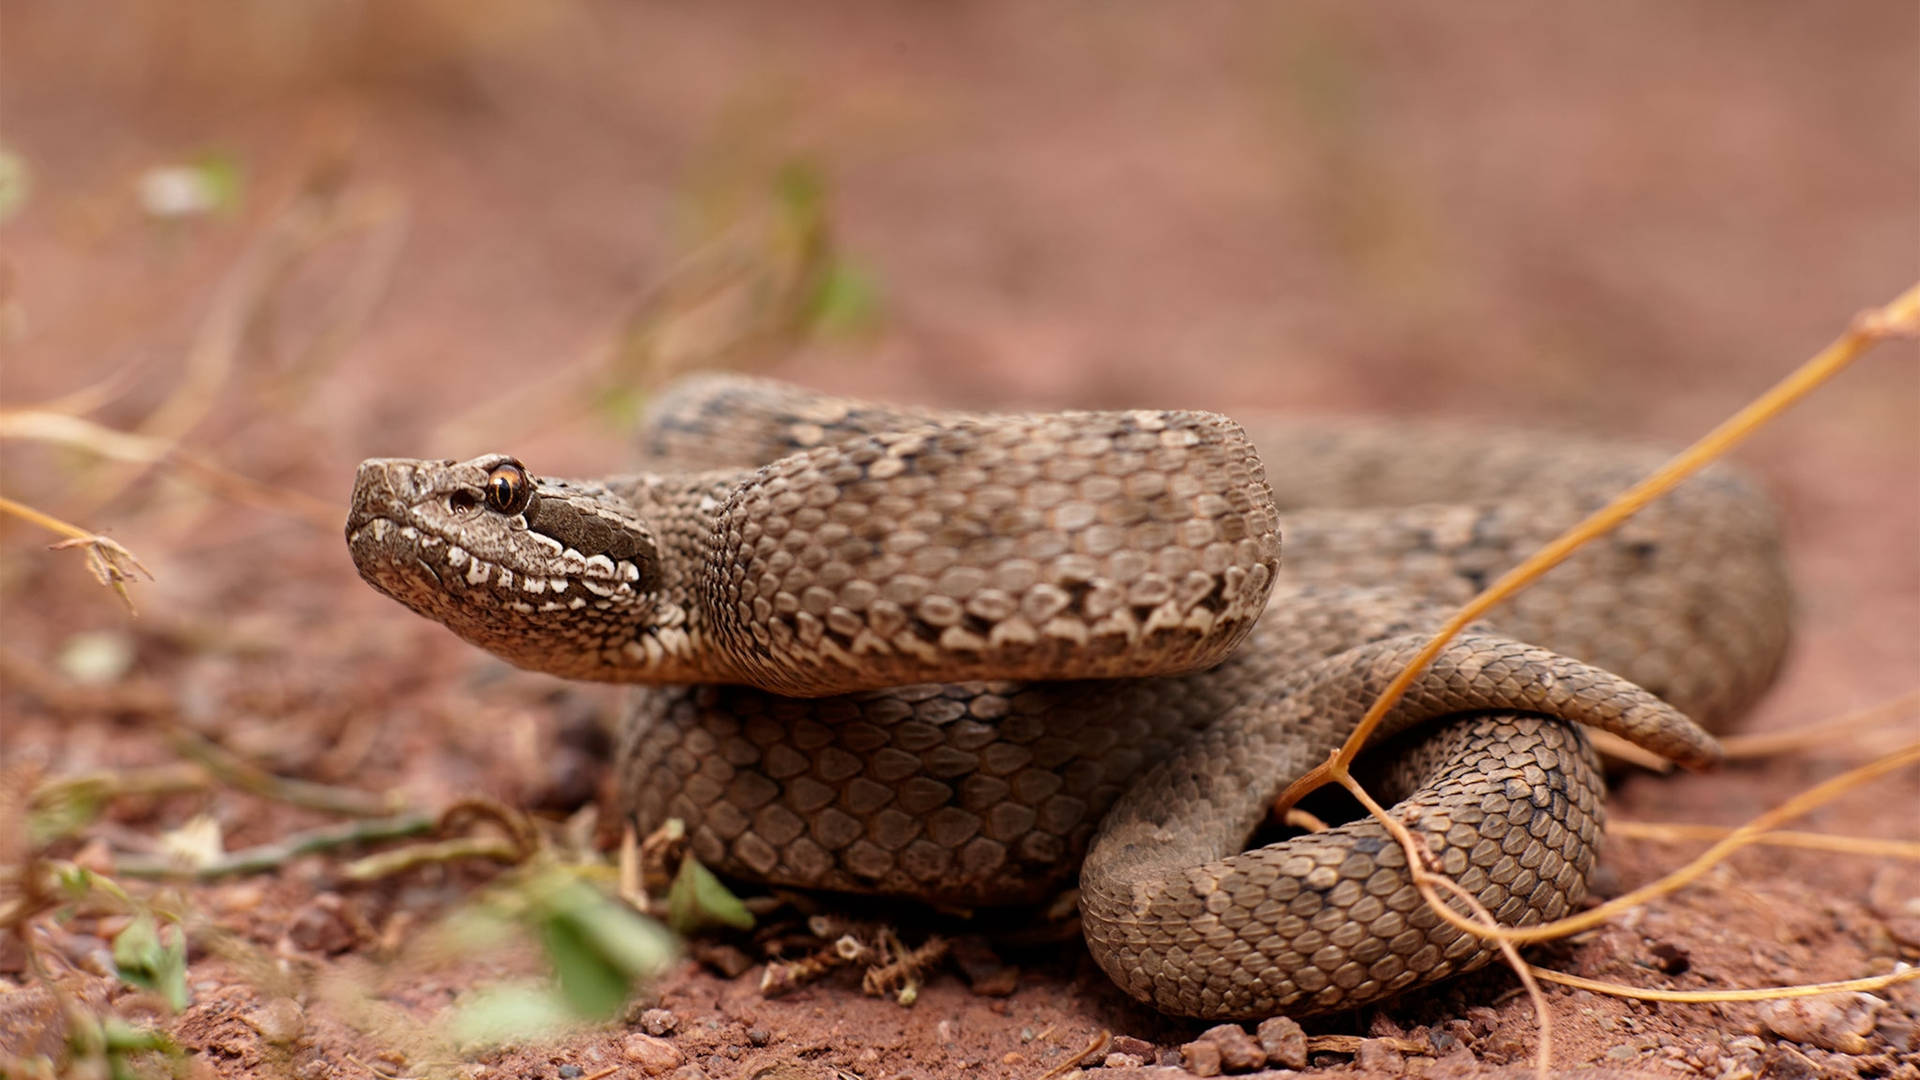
(548, 574)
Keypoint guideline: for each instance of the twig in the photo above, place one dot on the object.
(271, 856)
(1095, 1045)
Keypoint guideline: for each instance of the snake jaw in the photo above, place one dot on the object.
(568, 583)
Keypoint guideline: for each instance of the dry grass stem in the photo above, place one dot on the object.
(1810, 736)
(79, 433)
(1770, 993)
(110, 563)
(1843, 845)
(1614, 746)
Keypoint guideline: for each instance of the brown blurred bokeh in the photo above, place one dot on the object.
(1625, 217)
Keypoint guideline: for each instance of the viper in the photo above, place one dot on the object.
(971, 658)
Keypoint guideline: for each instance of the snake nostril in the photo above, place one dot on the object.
(463, 502)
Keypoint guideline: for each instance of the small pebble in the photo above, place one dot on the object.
(1238, 1050)
(1830, 1021)
(655, 1057)
(1201, 1058)
(1127, 1044)
(1786, 1063)
(569, 1072)
(1283, 1042)
(279, 1021)
(1379, 1056)
(758, 1036)
(1123, 1061)
(658, 1022)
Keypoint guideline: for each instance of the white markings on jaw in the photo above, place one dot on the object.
(628, 572)
(602, 564)
(456, 556)
(534, 584)
(479, 572)
(558, 548)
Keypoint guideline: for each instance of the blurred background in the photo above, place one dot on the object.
(247, 244)
(295, 234)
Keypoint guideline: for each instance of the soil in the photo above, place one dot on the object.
(1627, 218)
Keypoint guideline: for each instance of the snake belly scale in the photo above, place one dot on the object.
(963, 658)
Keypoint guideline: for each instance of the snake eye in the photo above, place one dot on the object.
(508, 488)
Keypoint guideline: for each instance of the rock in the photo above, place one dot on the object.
(1201, 1058)
(1830, 1021)
(658, 1022)
(1898, 1031)
(1122, 1061)
(1284, 1043)
(1379, 1056)
(280, 1021)
(1127, 1044)
(1786, 1063)
(654, 1056)
(1238, 1051)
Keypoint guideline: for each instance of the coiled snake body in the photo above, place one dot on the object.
(960, 658)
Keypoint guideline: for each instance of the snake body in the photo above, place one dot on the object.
(961, 657)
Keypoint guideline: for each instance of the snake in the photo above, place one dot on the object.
(978, 659)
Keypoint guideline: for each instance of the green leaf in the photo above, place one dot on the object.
(696, 900)
(589, 980)
(144, 959)
(508, 1013)
(639, 947)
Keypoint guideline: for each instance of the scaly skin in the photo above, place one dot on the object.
(890, 562)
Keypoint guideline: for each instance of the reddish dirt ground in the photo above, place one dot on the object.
(1626, 219)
